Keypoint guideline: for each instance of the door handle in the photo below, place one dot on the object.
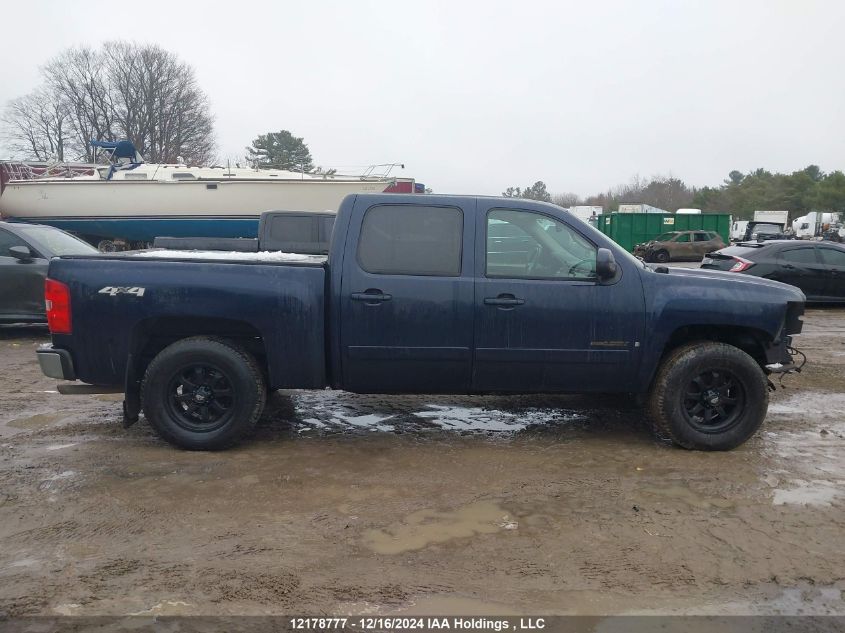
(504, 301)
(789, 266)
(371, 295)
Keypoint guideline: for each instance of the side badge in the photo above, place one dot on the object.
(122, 290)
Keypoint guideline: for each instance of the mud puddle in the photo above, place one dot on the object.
(427, 527)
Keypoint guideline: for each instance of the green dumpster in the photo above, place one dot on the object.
(630, 229)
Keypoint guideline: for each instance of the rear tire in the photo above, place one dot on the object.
(708, 396)
(203, 393)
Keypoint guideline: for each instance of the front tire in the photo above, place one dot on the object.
(203, 393)
(708, 396)
(661, 257)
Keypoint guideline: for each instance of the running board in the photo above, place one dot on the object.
(84, 390)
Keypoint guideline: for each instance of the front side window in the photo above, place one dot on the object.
(528, 245)
(800, 255)
(411, 240)
(7, 241)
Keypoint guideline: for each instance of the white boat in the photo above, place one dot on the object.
(133, 201)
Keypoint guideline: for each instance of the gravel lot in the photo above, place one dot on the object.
(377, 505)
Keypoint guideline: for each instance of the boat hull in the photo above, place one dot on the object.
(143, 210)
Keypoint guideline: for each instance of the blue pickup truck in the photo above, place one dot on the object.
(421, 294)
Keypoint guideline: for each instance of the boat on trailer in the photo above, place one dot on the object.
(128, 202)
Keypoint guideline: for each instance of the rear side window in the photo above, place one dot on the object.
(833, 257)
(411, 240)
(800, 255)
(683, 237)
(703, 237)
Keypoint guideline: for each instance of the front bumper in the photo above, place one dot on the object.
(56, 363)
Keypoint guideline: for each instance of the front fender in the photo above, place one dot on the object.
(725, 302)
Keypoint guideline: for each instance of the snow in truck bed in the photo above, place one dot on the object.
(263, 256)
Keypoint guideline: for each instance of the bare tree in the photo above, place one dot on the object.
(157, 103)
(36, 126)
(566, 200)
(121, 91)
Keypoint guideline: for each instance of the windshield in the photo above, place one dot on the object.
(55, 242)
(666, 236)
(767, 228)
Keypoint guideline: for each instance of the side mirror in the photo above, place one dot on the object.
(21, 253)
(606, 266)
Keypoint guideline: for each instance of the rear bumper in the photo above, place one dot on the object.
(56, 363)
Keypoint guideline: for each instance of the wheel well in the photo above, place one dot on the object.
(153, 335)
(750, 340)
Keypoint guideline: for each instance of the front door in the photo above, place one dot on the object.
(407, 299)
(543, 322)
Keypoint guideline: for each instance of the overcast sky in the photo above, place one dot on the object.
(477, 96)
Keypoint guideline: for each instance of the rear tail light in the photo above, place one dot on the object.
(57, 300)
(741, 265)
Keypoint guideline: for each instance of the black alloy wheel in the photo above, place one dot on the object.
(713, 401)
(200, 397)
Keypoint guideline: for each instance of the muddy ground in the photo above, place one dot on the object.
(362, 504)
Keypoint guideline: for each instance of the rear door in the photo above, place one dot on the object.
(703, 242)
(801, 266)
(407, 298)
(681, 247)
(21, 283)
(542, 320)
(833, 259)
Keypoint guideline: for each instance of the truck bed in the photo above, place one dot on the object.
(269, 299)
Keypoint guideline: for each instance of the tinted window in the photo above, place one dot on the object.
(529, 246)
(703, 237)
(833, 257)
(326, 226)
(411, 240)
(7, 241)
(292, 228)
(805, 255)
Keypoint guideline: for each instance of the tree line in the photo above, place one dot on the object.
(148, 95)
(802, 191)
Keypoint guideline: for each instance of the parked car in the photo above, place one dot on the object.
(421, 294)
(677, 246)
(817, 268)
(25, 251)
